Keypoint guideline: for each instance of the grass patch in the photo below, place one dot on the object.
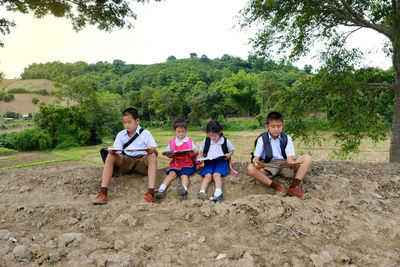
(6, 151)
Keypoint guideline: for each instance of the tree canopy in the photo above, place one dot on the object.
(105, 14)
(295, 25)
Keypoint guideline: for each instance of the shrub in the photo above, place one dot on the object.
(30, 139)
(42, 92)
(6, 151)
(8, 98)
(17, 90)
(35, 100)
(12, 114)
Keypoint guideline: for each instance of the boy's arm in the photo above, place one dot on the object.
(255, 161)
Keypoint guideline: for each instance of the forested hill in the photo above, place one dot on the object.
(194, 87)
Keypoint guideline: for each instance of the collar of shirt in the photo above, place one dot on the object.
(137, 131)
(272, 139)
(219, 142)
(180, 141)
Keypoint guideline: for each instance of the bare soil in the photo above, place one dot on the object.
(351, 216)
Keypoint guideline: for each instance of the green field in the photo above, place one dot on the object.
(242, 140)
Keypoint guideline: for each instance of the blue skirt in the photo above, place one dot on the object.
(215, 166)
(184, 171)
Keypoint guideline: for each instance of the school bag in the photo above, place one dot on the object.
(104, 151)
(224, 147)
(268, 148)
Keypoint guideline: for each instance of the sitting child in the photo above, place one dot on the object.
(275, 147)
(143, 162)
(182, 164)
(220, 149)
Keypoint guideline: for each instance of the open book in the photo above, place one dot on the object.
(211, 158)
(170, 152)
(279, 166)
(127, 150)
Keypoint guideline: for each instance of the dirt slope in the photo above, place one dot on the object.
(351, 217)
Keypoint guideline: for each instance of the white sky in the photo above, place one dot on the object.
(172, 27)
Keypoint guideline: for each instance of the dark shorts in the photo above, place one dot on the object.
(285, 172)
(215, 166)
(184, 171)
(133, 164)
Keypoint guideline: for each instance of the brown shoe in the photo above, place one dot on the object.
(295, 191)
(280, 190)
(101, 199)
(148, 198)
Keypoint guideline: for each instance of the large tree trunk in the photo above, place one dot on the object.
(395, 140)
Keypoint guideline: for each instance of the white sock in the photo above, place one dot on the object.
(162, 187)
(185, 187)
(203, 191)
(218, 192)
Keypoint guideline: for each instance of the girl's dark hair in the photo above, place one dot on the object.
(131, 111)
(214, 126)
(180, 122)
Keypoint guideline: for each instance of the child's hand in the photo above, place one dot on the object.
(112, 152)
(151, 150)
(227, 156)
(255, 163)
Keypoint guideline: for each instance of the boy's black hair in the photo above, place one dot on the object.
(274, 116)
(180, 122)
(131, 111)
(214, 126)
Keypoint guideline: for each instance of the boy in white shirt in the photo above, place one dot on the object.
(143, 162)
(276, 147)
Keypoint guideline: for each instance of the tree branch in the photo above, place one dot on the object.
(380, 86)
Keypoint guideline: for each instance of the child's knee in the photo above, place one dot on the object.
(251, 169)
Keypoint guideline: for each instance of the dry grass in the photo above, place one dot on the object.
(30, 84)
(22, 103)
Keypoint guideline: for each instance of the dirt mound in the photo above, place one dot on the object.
(350, 216)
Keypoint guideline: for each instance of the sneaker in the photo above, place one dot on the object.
(214, 199)
(181, 192)
(147, 198)
(295, 191)
(280, 190)
(159, 194)
(101, 199)
(202, 196)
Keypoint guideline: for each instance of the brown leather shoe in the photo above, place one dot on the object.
(101, 199)
(280, 190)
(295, 191)
(148, 198)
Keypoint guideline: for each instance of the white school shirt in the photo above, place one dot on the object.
(144, 140)
(216, 148)
(276, 148)
(179, 142)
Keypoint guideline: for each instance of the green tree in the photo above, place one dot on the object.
(105, 14)
(297, 25)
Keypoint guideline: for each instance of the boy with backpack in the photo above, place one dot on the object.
(136, 152)
(275, 147)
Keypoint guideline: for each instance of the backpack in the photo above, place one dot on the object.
(104, 151)
(267, 146)
(208, 143)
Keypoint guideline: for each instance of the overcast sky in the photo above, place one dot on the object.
(172, 27)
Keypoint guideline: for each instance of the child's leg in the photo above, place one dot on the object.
(261, 176)
(218, 184)
(167, 180)
(108, 169)
(305, 161)
(185, 181)
(151, 163)
(111, 160)
(206, 181)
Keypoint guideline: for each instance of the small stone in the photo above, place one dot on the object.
(71, 239)
(51, 244)
(202, 239)
(221, 256)
(126, 219)
(246, 261)
(377, 196)
(55, 256)
(147, 248)
(35, 249)
(4, 234)
(188, 234)
(25, 189)
(22, 253)
(206, 211)
(73, 221)
(119, 244)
